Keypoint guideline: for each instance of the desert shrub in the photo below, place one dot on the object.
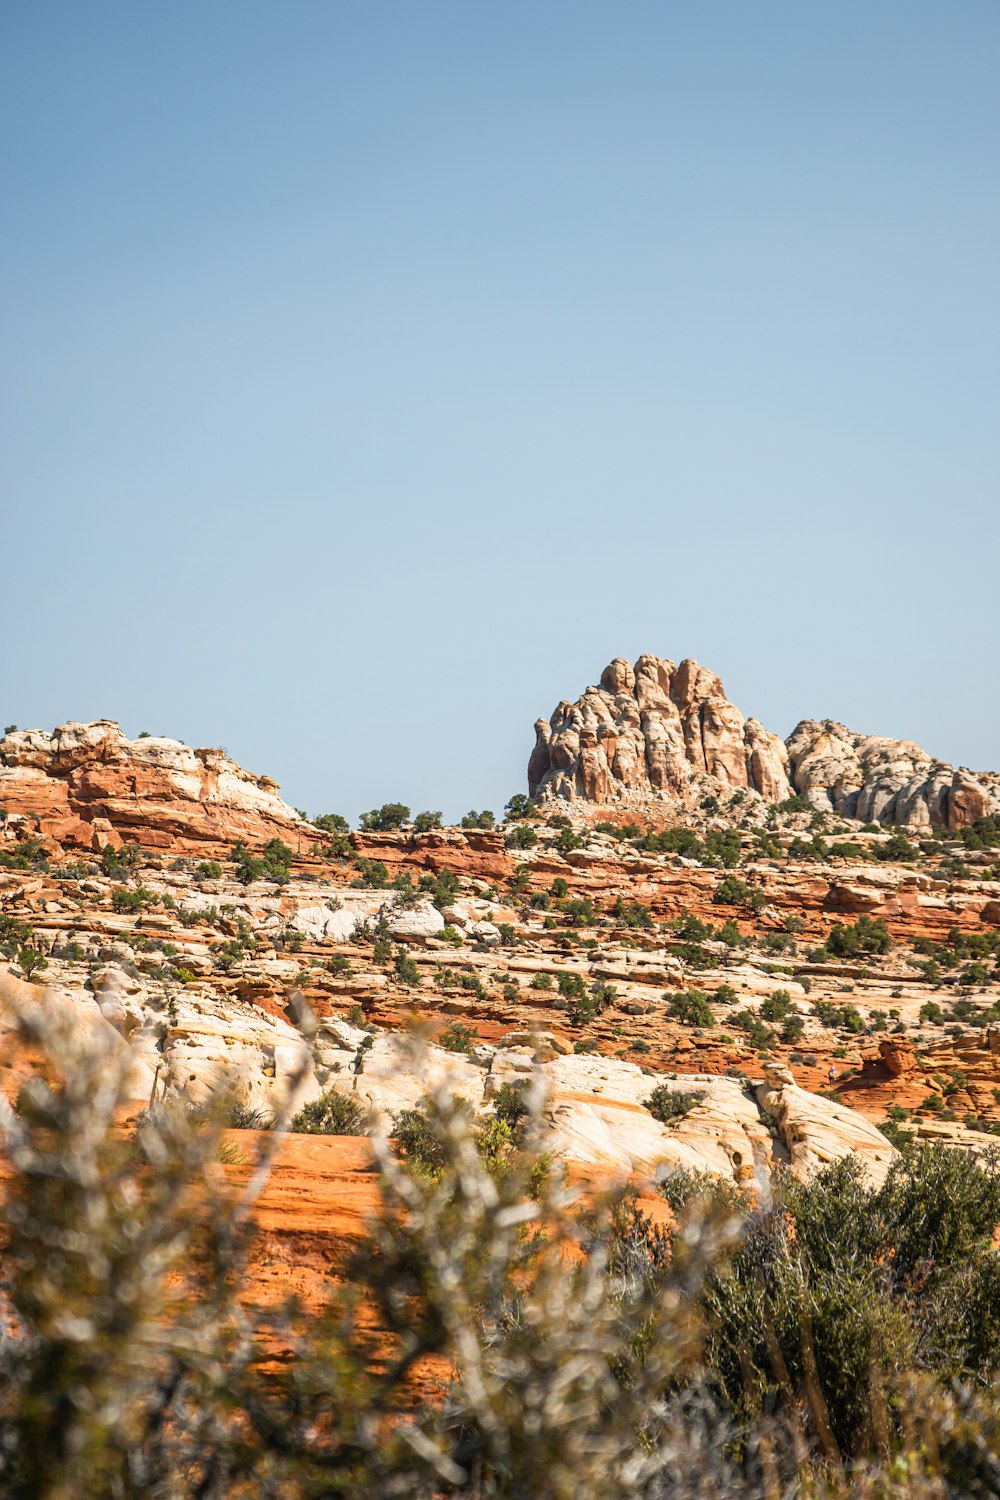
(425, 821)
(632, 914)
(568, 840)
(130, 899)
(457, 1037)
(484, 819)
(792, 1028)
(723, 847)
(121, 861)
(418, 1140)
(441, 888)
(776, 1006)
(272, 864)
(731, 891)
(510, 1104)
(896, 846)
(691, 1007)
(385, 819)
(578, 912)
(672, 841)
(331, 823)
(867, 935)
(520, 806)
(667, 1103)
(407, 895)
(333, 1113)
(406, 969)
(14, 933)
(572, 986)
(760, 1037)
(819, 1295)
(522, 836)
(372, 873)
(243, 1116)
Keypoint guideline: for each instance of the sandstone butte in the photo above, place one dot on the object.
(656, 733)
(563, 946)
(86, 785)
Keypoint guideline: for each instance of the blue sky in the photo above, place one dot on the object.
(371, 375)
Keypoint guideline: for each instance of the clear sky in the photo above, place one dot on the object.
(373, 373)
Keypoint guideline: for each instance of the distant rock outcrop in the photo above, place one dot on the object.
(659, 733)
(654, 730)
(885, 781)
(88, 785)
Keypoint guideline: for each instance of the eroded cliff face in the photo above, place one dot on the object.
(654, 731)
(86, 785)
(657, 734)
(885, 781)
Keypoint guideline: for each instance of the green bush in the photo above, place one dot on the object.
(792, 1029)
(130, 900)
(406, 969)
(667, 1103)
(457, 1037)
(385, 819)
(632, 914)
(520, 806)
(731, 891)
(777, 1006)
(332, 1113)
(867, 935)
(31, 961)
(425, 821)
(484, 819)
(760, 1037)
(691, 1007)
(372, 873)
(331, 823)
(272, 864)
(569, 840)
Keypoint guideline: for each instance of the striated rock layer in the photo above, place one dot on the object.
(658, 733)
(86, 785)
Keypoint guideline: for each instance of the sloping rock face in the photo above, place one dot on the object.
(88, 784)
(595, 1112)
(654, 731)
(657, 733)
(885, 781)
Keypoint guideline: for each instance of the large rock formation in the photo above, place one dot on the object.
(654, 731)
(885, 781)
(659, 733)
(88, 784)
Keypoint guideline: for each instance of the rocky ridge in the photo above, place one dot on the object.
(656, 735)
(88, 785)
